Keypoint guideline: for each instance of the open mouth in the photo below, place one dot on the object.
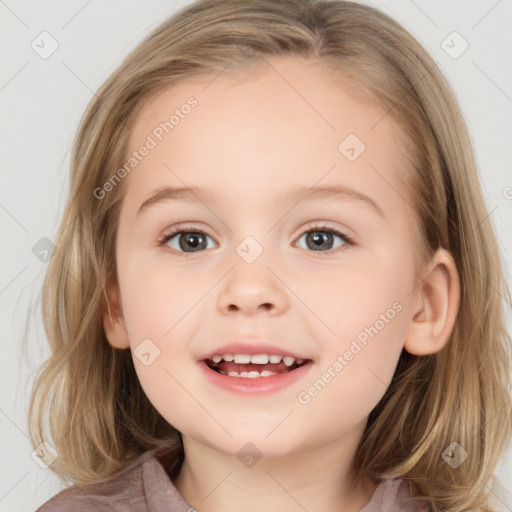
(253, 366)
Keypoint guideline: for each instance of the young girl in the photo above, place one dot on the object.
(274, 286)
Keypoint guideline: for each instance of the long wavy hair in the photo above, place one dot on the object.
(86, 400)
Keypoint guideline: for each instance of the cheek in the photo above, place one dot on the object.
(365, 307)
(156, 297)
(355, 296)
(355, 372)
(169, 392)
(159, 313)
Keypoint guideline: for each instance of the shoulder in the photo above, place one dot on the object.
(405, 498)
(121, 492)
(396, 494)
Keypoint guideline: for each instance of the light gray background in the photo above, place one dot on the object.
(42, 101)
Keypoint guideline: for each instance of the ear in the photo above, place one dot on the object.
(113, 320)
(434, 307)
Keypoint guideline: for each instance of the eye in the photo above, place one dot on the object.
(323, 238)
(185, 241)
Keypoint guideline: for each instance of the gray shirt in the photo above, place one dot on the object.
(144, 486)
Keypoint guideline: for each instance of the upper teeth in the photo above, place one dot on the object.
(256, 359)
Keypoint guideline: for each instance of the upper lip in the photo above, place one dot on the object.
(251, 349)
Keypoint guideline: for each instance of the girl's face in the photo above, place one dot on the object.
(297, 242)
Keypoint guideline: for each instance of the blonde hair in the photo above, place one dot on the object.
(98, 415)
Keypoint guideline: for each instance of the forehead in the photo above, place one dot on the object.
(287, 121)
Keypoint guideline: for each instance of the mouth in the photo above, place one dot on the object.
(253, 366)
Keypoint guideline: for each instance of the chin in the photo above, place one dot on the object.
(251, 440)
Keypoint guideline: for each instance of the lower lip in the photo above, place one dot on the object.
(256, 386)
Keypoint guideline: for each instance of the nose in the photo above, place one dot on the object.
(251, 288)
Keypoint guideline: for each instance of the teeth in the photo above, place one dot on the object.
(257, 359)
(242, 358)
(249, 375)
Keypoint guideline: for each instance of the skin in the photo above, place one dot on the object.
(249, 139)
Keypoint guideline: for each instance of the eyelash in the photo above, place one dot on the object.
(316, 227)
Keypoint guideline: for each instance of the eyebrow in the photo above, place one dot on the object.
(294, 195)
(332, 192)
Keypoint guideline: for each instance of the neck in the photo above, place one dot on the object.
(319, 478)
